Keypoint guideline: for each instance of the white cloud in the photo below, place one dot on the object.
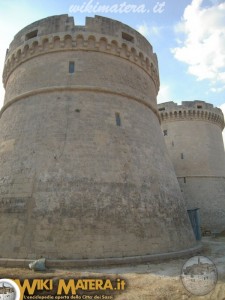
(217, 90)
(149, 31)
(202, 32)
(164, 94)
(143, 29)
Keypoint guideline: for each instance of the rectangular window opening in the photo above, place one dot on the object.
(182, 155)
(162, 108)
(199, 106)
(127, 37)
(165, 132)
(71, 67)
(31, 35)
(184, 179)
(118, 120)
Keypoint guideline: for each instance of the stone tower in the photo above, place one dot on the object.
(84, 171)
(193, 135)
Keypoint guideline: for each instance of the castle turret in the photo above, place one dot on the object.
(84, 171)
(193, 135)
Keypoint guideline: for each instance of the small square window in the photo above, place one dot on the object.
(127, 37)
(199, 106)
(71, 67)
(31, 35)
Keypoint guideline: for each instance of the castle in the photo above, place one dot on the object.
(193, 135)
(85, 175)
(7, 292)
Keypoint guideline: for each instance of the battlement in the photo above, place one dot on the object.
(59, 33)
(191, 110)
(98, 24)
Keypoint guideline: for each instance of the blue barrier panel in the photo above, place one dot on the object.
(195, 222)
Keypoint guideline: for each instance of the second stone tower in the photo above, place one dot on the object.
(193, 135)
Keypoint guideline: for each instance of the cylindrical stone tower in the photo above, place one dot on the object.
(84, 171)
(193, 135)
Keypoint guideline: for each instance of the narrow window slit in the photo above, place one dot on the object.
(118, 119)
(71, 67)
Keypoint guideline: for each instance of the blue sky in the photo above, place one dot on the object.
(187, 35)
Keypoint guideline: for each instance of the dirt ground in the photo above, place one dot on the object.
(157, 281)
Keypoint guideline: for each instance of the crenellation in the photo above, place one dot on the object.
(47, 43)
(191, 110)
(97, 25)
(196, 104)
(50, 25)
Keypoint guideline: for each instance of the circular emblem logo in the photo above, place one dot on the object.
(199, 275)
(9, 290)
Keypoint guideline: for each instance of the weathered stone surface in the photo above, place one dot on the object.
(76, 184)
(194, 139)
